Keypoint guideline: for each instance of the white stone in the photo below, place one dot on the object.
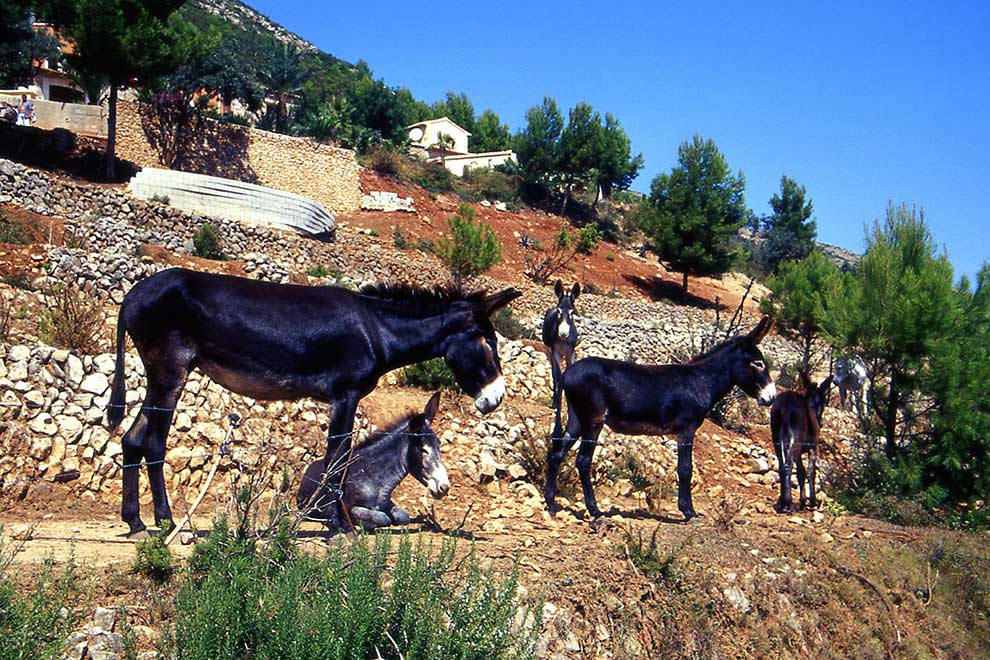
(95, 383)
(43, 424)
(74, 371)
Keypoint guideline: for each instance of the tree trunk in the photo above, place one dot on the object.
(890, 418)
(806, 357)
(112, 133)
(567, 196)
(684, 277)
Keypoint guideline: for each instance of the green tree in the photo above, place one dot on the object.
(538, 144)
(231, 66)
(615, 167)
(956, 454)
(282, 76)
(901, 311)
(694, 212)
(123, 40)
(444, 143)
(803, 296)
(20, 43)
(458, 108)
(579, 149)
(471, 249)
(790, 232)
(490, 134)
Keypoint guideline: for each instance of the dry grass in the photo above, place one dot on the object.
(72, 320)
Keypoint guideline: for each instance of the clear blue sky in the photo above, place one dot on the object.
(861, 103)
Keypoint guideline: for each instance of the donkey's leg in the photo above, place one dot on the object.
(812, 483)
(163, 395)
(398, 515)
(800, 479)
(555, 456)
(338, 446)
(685, 467)
(792, 452)
(585, 453)
(556, 374)
(370, 518)
(785, 488)
(133, 451)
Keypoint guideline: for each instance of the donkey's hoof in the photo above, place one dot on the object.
(553, 508)
(136, 527)
(689, 515)
(599, 523)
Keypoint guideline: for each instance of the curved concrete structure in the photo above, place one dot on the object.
(235, 200)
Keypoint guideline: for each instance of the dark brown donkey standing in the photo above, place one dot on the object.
(643, 399)
(286, 342)
(560, 335)
(795, 424)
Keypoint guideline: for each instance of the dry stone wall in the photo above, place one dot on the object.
(303, 166)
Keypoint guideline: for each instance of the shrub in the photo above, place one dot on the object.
(399, 238)
(434, 178)
(386, 159)
(72, 320)
(207, 243)
(36, 624)
(472, 248)
(153, 558)
(430, 375)
(509, 326)
(158, 198)
(364, 599)
(11, 232)
(319, 271)
(541, 262)
(484, 183)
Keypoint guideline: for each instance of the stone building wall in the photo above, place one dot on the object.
(303, 166)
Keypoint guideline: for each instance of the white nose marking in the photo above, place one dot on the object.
(564, 329)
(439, 482)
(491, 395)
(767, 394)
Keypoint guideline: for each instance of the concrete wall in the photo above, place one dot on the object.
(88, 120)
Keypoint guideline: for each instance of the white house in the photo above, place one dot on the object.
(424, 138)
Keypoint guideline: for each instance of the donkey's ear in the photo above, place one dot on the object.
(575, 290)
(501, 299)
(824, 387)
(432, 406)
(762, 329)
(558, 288)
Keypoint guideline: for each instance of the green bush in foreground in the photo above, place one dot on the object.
(35, 624)
(368, 599)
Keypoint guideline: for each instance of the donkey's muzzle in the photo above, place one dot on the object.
(767, 395)
(491, 395)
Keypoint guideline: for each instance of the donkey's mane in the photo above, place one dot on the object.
(715, 349)
(410, 296)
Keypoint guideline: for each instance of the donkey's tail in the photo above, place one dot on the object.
(115, 409)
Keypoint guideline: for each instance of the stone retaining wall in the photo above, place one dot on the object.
(303, 166)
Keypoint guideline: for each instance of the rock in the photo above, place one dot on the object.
(74, 372)
(43, 424)
(105, 618)
(34, 400)
(95, 383)
(517, 471)
(737, 598)
(487, 465)
(178, 458)
(758, 465)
